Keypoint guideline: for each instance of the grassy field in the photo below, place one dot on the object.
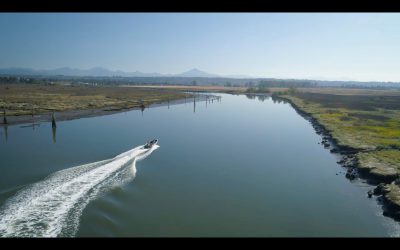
(361, 122)
(27, 99)
(222, 89)
(192, 88)
(366, 121)
(352, 92)
(240, 90)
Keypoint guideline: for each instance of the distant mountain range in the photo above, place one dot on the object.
(196, 73)
(186, 77)
(99, 71)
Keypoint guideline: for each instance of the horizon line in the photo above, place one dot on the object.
(230, 76)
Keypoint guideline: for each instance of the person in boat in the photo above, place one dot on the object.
(150, 143)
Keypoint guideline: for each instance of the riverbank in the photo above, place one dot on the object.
(365, 133)
(36, 103)
(221, 89)
(77, 114)
(206, 88)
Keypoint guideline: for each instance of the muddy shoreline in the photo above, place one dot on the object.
(350, 162)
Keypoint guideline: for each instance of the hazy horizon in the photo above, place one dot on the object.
(179, 74)
(320, 46)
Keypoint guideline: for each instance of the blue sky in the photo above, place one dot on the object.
(338, 46)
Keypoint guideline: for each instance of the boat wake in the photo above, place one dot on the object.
(52, 207)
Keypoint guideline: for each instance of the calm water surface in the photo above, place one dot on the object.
(238, 167)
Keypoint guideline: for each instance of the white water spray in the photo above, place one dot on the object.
(52, 207)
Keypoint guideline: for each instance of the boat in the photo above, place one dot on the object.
(150, 144)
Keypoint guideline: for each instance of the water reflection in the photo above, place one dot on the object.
(260, 97)
(251, 96)
(5, 128)
(263, 97)
(194, 104)
(142, 107)
(54, 130)
(53, 120)
(33, 125)
(52, 116)
(277, 99)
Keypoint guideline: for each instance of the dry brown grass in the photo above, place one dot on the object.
(345, 91)
(25, 99)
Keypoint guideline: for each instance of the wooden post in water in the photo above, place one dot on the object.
(54, 130)
(4, 117)
(194, 104)
(33, 118)
(142, 107)
(6, 132)
(53, 121)
(168, 102)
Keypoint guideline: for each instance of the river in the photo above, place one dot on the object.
(237, 166)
